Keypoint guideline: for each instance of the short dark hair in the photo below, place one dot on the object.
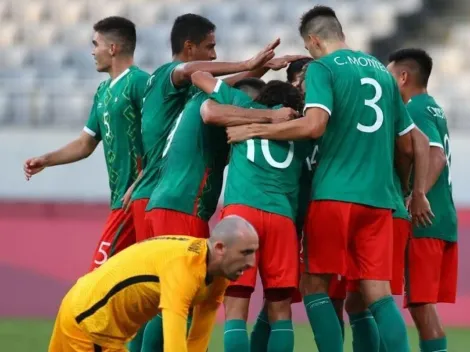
(190, 27)
(251, 82)
(322, 22)
(280, 93)
(120, 29)
(295, 67)
(417, 60)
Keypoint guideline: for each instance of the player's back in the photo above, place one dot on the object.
(265, 174)
(195, 157)
(163, 103)
(358, 144)
(113, 301)
(431, 119)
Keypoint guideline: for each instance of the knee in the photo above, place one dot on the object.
(313, 283)
(355, 303)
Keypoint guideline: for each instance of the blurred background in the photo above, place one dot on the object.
(50, 225)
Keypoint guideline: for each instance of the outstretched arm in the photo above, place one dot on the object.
(181, 75)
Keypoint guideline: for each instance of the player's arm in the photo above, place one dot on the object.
(204, 316)
(318, 108)
(78, 149)
(181, 75)
(179, 284)
(437, 162)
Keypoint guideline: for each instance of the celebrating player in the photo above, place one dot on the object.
(431, 256)
(351, 100)
(115, 119)
(294, 72)
(262, 186)
(169, 88)
(104, 309)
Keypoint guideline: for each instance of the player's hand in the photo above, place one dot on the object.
(126, 200)
(281, 62)
(240, 133)
(420, 210)
(260, 59)
(283, 115)
(33, 165)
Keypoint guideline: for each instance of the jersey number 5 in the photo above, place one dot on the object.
(372, 103)
(250, 154)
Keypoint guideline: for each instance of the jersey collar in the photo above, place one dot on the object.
(118, 78)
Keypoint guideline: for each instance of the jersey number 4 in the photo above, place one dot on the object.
(372, 103)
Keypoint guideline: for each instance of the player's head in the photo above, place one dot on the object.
(251, 86)
(280, 93)
(114, 37)
(234, 242)
(411, 68)
(318, 27)
(294, 70)
(193, 37)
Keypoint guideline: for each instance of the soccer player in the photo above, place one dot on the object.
(353, 103)
(115, 119)
(104, 309)
(294, 71)
(169, 88)
(262, 186)
(432, 251)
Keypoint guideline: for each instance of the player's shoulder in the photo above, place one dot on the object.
(138, 73)
(424, 105)
(166, 68)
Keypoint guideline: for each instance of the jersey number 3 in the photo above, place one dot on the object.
(372, 103)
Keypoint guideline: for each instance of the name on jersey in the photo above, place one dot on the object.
(436, 112)
(361, 61)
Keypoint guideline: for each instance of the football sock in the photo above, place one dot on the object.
(365, 332)
(324, 322)
(153, 335)
(390, 324)
(235, 336)
(281, 338)
(136, 344)
(260, 334)
(436, 345)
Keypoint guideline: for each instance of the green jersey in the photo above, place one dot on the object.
(430, 118)
(115, 119)
(163, 103)
(262, 174)
(365, 109)
(400, 212)
(195, 157)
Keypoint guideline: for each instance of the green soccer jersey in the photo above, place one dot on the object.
(115, 119)
(163, 103)
(262, 174)
(195, 157)
(430, 118)
(400, 211)
(365, 109)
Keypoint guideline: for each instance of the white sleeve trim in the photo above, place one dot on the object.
(90, 132)
(321, 106)
(406, 130)
(217, 86)
(434, 144)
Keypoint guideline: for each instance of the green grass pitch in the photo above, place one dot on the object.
(33, 335)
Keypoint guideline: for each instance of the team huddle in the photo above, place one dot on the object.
(338, 193)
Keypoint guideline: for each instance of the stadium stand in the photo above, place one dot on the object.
(46, 63)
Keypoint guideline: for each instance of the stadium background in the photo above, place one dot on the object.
(50, 226)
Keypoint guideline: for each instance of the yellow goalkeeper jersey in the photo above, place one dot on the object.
(164, 273)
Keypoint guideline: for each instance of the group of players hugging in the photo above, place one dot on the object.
(346, 163)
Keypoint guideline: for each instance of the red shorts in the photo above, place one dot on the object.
(143, 230)
(401, 234)
(278, 254)
(118, 234)
(164, 222)
(349, 239)
(430, 271)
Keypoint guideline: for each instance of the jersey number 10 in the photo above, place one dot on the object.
(250, 154)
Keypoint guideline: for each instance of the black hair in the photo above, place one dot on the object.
(295, 67)
(190, 27)
(119, 29)
(251, 82)
(322, 22)
(417, 60)
(280, 93)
